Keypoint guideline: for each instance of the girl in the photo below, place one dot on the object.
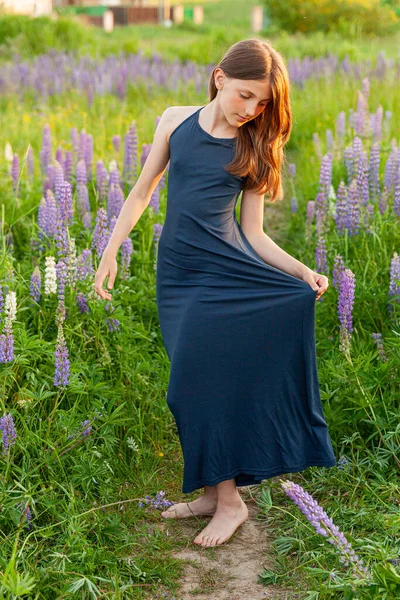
(236, 311)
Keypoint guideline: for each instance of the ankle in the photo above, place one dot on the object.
(210, 493)
(234, 501)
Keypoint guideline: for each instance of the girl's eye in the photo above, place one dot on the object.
(247, 97)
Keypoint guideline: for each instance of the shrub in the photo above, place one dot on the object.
(348, 17)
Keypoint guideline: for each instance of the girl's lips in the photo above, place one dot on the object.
(241, 118)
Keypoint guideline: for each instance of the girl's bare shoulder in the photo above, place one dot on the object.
(176, 115)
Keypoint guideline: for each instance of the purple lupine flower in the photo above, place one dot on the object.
(15, 173)
(357, 150)
(58, 179)
(394, 284)
(352, 222)
(100, 233)
(87, 221)
(338, 268)
(49, 182)
(67, 166)
(81, 174)
(321, 214)
(126, 253)
(1, 302)
(115, 201)
(8, 431)
(61, 237)
(82, 145)
(35, 284)
(62, 279)
(345, 307)
(89, 155)
(42, 219)
(66, 204)
(155, 199)
(348, 156)
(294, 205)
(62, 364)
(115, 177)
(390, 170)
(25, 512)
(82, 203)
(82, 303)
(51, 214)
(84, 266)
(374, 183)
(30, 166)
(396, 202)
(292, 170)
(366, 86)
(325, 183)
(113, 324)
(116, 142)
(362, 178)
(59, 155)
(377, 337)
(88, 428)
(320, 256)
(101, 172)
(343, 463)
(46, 152)
(145, 152)
(310, 211)
(324, 525)
(160, 502)
(130, 155)
(360, 116)
(341, 207)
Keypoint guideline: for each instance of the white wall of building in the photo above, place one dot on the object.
(34, 8)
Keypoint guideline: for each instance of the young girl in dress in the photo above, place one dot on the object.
(243, 390)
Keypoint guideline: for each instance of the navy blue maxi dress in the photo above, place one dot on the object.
(239, 333)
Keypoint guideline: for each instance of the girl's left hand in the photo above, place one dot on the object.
(317, 282)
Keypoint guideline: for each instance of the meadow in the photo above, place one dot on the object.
(89, 449)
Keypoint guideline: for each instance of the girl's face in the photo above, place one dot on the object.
(242, 97)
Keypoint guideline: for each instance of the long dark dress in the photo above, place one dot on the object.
(239, 333)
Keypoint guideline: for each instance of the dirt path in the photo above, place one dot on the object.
(230, 571)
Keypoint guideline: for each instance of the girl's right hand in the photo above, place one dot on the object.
(107, 268)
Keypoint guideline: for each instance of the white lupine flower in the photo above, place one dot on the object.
(8, 152)
(112, 165)
(50, 281)
(10, 307)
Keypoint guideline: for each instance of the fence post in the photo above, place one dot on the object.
(198, 14)
(177, 13)
(108, 21)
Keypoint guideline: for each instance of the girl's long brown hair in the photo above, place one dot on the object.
(259, 150)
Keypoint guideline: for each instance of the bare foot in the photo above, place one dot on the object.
(205, 505)
(223, 524)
